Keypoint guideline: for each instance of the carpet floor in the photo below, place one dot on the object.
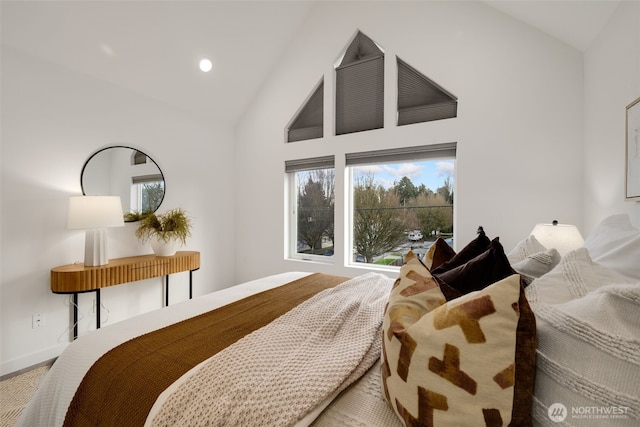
(15, 392)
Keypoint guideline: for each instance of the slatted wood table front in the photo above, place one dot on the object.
(76, 278)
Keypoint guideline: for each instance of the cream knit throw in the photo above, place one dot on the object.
(275, 375)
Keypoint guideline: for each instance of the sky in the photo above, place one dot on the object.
(431, 173)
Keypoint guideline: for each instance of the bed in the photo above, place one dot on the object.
(478, 337)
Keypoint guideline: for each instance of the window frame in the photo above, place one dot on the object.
(378, 157)
(292, 168)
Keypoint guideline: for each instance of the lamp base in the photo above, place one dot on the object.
(95, 248)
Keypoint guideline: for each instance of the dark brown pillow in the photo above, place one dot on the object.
(476, 247)
(487, 268)
(439, 253)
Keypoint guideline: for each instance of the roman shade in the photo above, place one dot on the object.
(324, 162)
(308, 123)
(146, 178)
(360, 87)
(420, 99)
(422, 152)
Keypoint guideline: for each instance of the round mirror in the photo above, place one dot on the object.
(128, 173)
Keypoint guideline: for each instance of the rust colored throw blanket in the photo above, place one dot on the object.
(122, 386)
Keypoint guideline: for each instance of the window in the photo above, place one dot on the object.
(138, 158)
(420, 99)
(401, 200)
(360, 87)
(311, 187)
(147, 193)
(359, 95)
(308, 122)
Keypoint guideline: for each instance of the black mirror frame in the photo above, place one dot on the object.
(130, 148)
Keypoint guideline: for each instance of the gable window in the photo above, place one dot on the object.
(420, 99)
(311, 198)
(360, 87)
(308, 122)
(138, 158)
(401, 200)
(394, 200)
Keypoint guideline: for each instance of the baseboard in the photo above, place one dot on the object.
(16, 366)
(29, 369)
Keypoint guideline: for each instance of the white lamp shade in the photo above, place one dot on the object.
(95, 212)
(562, 237)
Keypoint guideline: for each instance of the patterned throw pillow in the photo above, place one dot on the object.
(458, 362)
(439, 252)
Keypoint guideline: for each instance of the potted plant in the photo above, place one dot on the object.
(165, 231)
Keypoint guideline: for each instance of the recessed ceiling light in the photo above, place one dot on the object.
(205, 65)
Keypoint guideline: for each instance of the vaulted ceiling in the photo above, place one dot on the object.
(148, 46)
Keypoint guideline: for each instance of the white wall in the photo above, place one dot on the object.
(612, 81)
(536, 141)
(519, 125)
(53, 119)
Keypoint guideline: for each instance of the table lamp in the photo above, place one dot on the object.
(95, 214)
(562, 237)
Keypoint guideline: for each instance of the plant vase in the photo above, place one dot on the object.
(163, 247)
(166, 232)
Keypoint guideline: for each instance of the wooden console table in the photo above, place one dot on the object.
(76, 278)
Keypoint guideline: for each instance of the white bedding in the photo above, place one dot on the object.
(598, 352)
(48, 407)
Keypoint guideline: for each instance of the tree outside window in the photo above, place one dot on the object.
(315, 211)
(394, 213)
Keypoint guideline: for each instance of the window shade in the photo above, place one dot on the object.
(324, 162)
(308, 124)
(139, 158)
(422, 152)
(146, 178)
(420, 99)
(360, 87)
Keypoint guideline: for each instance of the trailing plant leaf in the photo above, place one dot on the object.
(174, 224)
(134, 216)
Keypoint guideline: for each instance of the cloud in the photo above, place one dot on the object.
(445, 169)
(429, 173)
(369, 169)
(410, 170)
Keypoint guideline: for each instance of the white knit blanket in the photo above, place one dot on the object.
(277, 374)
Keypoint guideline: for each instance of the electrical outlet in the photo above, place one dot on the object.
(37, 320)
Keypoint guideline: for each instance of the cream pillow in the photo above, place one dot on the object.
(574, 277)
(615, 243)
(524, 248)
(537, 265)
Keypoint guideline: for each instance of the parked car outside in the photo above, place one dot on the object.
(415, 235)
